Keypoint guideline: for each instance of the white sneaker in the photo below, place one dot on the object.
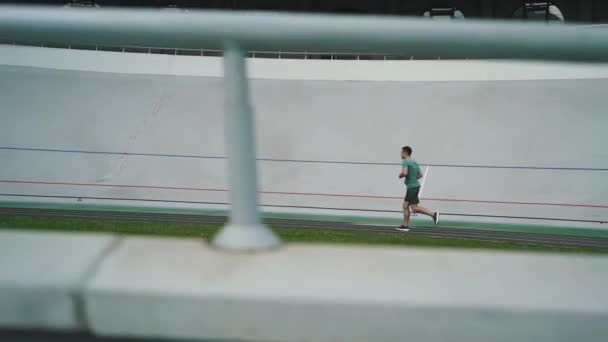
(403, 229)
(436, 217)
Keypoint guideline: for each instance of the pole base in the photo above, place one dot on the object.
(246, 238)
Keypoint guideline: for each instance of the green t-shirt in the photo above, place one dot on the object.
(413, 170)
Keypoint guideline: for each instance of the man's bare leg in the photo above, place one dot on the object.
(422, 210)
(406, 214)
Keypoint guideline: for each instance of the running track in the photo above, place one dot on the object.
(442, 232)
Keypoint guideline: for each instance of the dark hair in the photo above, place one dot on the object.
(407, 150)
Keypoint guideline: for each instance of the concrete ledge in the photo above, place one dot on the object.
(183, 289)
(41, 274)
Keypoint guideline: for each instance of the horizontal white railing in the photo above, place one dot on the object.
(293, 32)
(252, 53)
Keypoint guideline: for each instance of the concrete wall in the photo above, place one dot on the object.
(461, 113)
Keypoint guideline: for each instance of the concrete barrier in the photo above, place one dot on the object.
(175, 288)
(42, 275)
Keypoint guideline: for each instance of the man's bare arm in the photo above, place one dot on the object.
(403, 173)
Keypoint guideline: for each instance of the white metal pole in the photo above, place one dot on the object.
(244, 230)
(425, 176)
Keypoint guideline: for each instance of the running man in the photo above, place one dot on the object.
(411, 172)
